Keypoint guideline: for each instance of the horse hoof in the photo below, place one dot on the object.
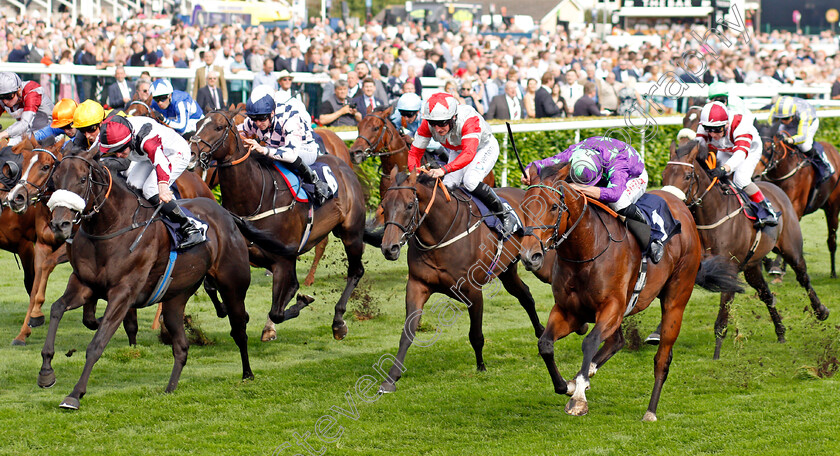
(539, 331)
(570, 388)
(46, 380)
(340, 332)
(653, 338)
(649, 417)
(35, 322)
(775, 271)
(269, 335)
(577, 408)
(70, 403)
(584, 328)
(386, 388)
(18, 343)
(309, 281)
(822, 314)
(481, 368)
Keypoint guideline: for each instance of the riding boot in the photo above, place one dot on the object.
(490, 199)
(770, 220)
(820, 161)
(322, 189)
(638, 225)
(190, 232)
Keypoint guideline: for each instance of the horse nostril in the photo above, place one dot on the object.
(18, 199)
(536, 258)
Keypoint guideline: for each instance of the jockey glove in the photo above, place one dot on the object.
(789, 140)
(718, 172)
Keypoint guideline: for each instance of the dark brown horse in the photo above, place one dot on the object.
(788, 168)
(725, 231)
(105, 267)
(253, 189)
(452, 252)
(596, 267)
(691, 120)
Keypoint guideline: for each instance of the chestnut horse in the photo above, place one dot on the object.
(450, 251)
(105, 267)
(725, 231)
(253, 189)
(788, 168)
(596, 267)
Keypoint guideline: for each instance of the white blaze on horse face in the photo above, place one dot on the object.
(19, 186)
(198, 133)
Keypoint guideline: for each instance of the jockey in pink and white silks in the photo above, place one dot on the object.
(738, 146)
(473, 150)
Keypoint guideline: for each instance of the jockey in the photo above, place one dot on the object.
(287, 134)
(738, 146)
(799, 118)
(28, 103)
(179, 110)
(407, 119)
(473, 150)
(62, 121)
(160, 156)
(612, 172)
(719, 91)
(86, 120)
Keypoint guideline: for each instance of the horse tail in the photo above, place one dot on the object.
(373, 233)
(719, 275)
(263, 239)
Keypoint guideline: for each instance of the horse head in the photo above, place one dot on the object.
(38, 166)
(377, 136)
(401, 211)
(681, 174)
(80, 181)
(216, 139)
(544, 207)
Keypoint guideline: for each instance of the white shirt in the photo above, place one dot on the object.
(124, 89)
(513, 107)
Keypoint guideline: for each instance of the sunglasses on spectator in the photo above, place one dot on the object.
(259, 118)
(8, 96)
(89, 128)
(715, 129)
(439, 123)
(160, 98)
(285, 79)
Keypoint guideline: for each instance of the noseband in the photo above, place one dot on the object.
(89, 189)
(39, 190)
(555, 240)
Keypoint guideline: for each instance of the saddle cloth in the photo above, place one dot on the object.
(174, 229)
(659, 217)
(752, 211)
(301, 190)
(492, 221)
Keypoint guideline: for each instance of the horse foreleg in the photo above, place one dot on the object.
(820, 310)
(416, 295)
(130, 325)
(516, 287)
(756, 280)
(37, 292)
(673, 307)
(173, 320)
(354, 248)
(119, 300)
(284, 286)
(722, 321)
(612, 345)
(45, 267)
(156, 320)
(74, 296)
(831, 213)
(475, 306)
(558, 326)
(26, 252)
(319, 252)
(608, 321)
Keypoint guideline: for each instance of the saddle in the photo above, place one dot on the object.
(752, 211)
(493, 221)
(299, 189)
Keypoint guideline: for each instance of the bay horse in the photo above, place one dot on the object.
(105, 267)
(691, 120)
(379, 137)
(788, 168)
(452, 252)
(253, 189)
(725, 231)
(596, 268)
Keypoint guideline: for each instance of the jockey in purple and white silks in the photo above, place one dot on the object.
(612, 172)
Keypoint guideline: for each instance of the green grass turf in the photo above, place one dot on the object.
(762, 397)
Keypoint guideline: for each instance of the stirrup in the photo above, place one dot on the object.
(656, 251)
(192, 236)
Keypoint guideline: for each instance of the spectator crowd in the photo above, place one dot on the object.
(502, 76)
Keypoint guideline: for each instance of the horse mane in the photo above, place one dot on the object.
(263, 160)
(686, 148)
(422, 179)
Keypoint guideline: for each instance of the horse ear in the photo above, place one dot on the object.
(673, 149)
(388, 111)
(412, 177)
(394, 174)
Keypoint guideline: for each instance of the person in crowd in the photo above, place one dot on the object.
(506, 105)
(237, 87)
(470, 97)
(586, 105)
(178, 109)
(608, 93)
(366, 102)
(266, 76)
(338, 111)
(202, 74)
(27, 103)
(211, 97)
(121, 91)
(529, 99)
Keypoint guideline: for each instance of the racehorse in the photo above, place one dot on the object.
(378, 137)
(788, 168)
(252, 188)
(105, 267)
(597, 268)
(724, 231)
(450, 251)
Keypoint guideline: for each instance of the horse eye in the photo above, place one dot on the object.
(45, 168)
(83, 180)
(554, 207)
(220, 127)
(410, 206)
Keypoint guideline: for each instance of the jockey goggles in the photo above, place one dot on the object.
(408, 113)
(439, 123)
(717, 129)
(89, 128)
(259, 117)
(8, 96)
(160, 98)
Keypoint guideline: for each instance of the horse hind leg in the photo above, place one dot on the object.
(831, 220)
(612, 345)
(319, 252)
(284, 286)
(673, 309)
(212, 289)
(756, 280)
(173, 320)
(130, 325)
(722, 321)
(233, 294)
(801, 270)
(515, 286)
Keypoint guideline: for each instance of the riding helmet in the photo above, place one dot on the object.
(62, 113)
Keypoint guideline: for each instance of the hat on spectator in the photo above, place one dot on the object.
(283, 74)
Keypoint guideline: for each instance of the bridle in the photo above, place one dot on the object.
(555, 240)
(39, 190)
(373, 147)
(772, 164)
(205, 157)
(694, 180)
(417, 219)
(89, 189)
(149, 111)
